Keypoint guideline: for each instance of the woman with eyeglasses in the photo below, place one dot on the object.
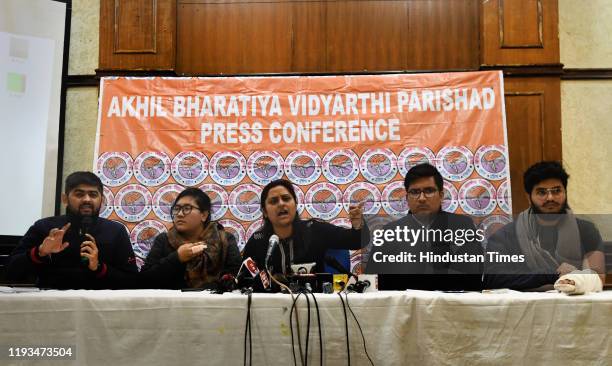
(195, 252)
(301, 241)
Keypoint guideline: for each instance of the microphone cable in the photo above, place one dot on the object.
(297, 320)
(360, 331)
(248, 329)
(319, 325)
(348, 350)
(307, 329)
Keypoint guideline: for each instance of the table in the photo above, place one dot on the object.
(163, 327)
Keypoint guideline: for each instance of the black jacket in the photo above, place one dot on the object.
(64, 270)
(309, 242)
(425, 275)
(162, 268)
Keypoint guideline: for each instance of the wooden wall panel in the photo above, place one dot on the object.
(281, 36)
(134, 26)
(309, 37)
(520, 32)
(443, 34)
(366, 35)
(523, 31)
(137, 35)
(234, 37)
(533, 119)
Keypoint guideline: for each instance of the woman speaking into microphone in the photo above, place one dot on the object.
(300, 241)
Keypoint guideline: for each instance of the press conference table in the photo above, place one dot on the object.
(162, 327)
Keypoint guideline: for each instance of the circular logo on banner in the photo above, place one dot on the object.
(455, 163)
(265, 166)
(234, 228)
(114, 168)
(163, 200)
(324, 201)
(190, 168)
(152, 168)
(491, 162)
(227, 168)
(244, 202)
(493, 223)
(219, 200)
(303, 167)
(362, 192)
(133, 203)
(300, 198)
(412, 156)
(342, 222)
(378, 165)
(477, 197)
(394, 199)
(450, 202)
(341, 166)
(504, 201)
(255, 226)
(106, 209)
(143, 235)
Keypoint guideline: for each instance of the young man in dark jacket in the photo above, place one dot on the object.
(79, 250)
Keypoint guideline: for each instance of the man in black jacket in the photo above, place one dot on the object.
(79, 250)
(446, 253)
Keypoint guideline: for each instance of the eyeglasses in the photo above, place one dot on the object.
(416, 193)
(543, 192)
(186, 209)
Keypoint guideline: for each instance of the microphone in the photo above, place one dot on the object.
(252, 268)
(273, 243)
(227, 283)
(358, 286)
(86, 222)
(333, 263)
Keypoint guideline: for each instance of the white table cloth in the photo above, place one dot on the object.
(162, 327)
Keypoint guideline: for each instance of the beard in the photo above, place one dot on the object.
(76, 212)
(549, 216)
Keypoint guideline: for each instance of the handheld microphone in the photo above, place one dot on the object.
(86, 223)
(273, 243)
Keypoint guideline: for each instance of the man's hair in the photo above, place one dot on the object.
(77, 178)
(543, 170)
(423, 171)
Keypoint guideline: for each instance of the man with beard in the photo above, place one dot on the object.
(547, 236)
(442, 233)
(78, 250)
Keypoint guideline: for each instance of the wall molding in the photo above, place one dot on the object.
(586, 74)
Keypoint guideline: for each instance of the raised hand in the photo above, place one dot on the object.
(54, 243)
(356, 215)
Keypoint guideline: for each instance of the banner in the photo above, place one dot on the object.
(339, 139)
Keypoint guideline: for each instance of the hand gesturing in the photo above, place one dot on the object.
(53, 243)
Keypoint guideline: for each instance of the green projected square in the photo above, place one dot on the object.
(15, 82)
